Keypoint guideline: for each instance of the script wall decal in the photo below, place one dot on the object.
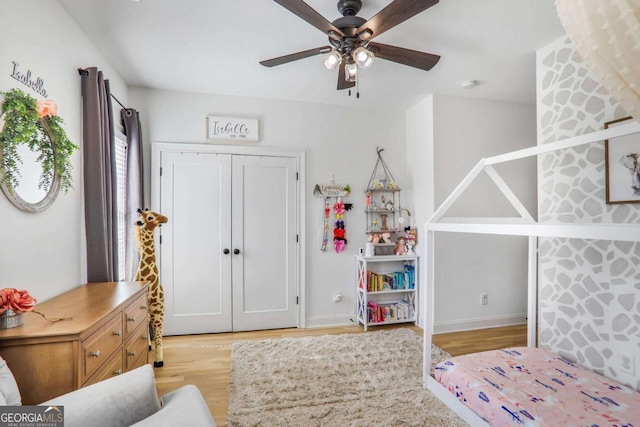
(27, 79)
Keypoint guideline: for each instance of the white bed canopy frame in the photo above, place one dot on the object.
(524, 225)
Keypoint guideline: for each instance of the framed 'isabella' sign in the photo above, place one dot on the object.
(233, 128)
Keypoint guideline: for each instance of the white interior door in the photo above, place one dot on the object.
(195, 194)
(264, 228)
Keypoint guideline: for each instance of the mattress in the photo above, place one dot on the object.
(535, 387)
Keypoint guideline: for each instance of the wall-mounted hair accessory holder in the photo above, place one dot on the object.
(333, 194)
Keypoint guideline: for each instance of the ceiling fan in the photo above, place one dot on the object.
(350, 38)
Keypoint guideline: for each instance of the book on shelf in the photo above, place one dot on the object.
(398, 280)
(410, 272)
(389, 311)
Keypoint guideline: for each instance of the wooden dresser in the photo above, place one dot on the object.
(106, 336)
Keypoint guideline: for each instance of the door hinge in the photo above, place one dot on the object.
(297, 176)
(160, 171)
(297, 238)
(161, 239)
(297, 300)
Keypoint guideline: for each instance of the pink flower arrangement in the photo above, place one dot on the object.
(18, 301)
(46, 108)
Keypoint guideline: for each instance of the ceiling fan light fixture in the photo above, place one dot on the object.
(331, 60)
(363, 57)
(350, 72)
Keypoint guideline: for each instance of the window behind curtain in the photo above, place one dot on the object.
(121, 195)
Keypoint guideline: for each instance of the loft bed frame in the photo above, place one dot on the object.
(523, 225)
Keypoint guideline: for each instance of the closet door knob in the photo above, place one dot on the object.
(225, 251)
(236, 251)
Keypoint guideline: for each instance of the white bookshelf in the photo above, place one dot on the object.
(387, 288)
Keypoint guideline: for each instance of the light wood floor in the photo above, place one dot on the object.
(204, 360)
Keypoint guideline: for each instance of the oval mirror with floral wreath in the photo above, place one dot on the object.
(35, 152)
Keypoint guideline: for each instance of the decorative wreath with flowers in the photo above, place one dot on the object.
(18, 301)
(35, 123)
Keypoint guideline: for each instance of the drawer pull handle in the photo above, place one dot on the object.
(144, 337)
(118, 372)
(132, 353)
(117, 333)
(143, 307)
(131, 319)
(95, 354)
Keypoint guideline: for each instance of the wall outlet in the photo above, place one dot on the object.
(627, 363)
(484, 299)
(337, 296)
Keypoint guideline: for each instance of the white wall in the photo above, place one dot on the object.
(463, 131)
(43, 252)
(339, 141)
(420, 188)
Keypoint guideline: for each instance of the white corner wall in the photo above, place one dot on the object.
(420, 188)
(339, 142)
(420, 130)
(463, 131)
(43, 252)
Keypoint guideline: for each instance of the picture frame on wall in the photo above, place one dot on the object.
(233, 128)
(622, 166)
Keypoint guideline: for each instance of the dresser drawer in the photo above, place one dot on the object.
(113, 367)
(97, 348)
(136, 349)
(135, 315)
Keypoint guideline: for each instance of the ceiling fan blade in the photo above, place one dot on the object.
(395, 13)
(294, 56)
(342, 83)
(306, 12)
(412, 58)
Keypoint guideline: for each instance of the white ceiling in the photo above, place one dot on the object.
(214, 46)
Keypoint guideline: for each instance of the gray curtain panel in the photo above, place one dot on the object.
(99, 177)
(135, 189)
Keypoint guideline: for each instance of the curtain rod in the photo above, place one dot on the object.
(116, 99)
(81, 71)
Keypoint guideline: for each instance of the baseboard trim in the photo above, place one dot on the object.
(333, 320)
(439, 327)
(479, 323)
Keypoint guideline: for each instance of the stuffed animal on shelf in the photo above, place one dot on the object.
(400, 247)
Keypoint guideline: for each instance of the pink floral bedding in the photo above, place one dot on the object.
(535, 387)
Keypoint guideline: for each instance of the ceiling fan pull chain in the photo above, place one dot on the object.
(358, 88)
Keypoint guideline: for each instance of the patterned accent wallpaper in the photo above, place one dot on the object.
(589, 290)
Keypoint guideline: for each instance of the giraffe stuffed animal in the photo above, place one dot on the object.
(148, 272)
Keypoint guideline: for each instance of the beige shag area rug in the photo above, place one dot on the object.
(365, 379)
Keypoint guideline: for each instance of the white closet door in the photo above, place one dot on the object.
(196, 274)
(264, 232)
